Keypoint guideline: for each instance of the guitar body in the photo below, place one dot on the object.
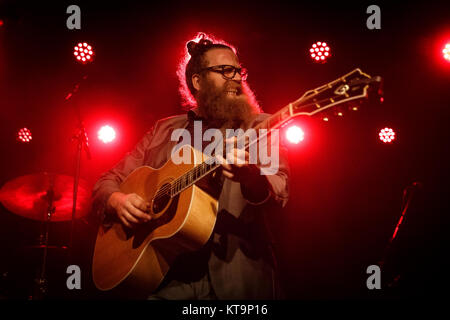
(142, 256)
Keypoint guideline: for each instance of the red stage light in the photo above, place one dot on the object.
(83, 52)
(320, 51)
(106, 134)
(294, 134)
(446, 52)
(387, 135)
(24, 135)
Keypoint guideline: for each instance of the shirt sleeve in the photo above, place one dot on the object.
(279, 182)
(277, 187)
(110, 181)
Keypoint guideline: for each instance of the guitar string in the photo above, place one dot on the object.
(186, 177)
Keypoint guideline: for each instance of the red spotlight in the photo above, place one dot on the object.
(1, 22)
(106, 134)
(320, 52)
(83, 53)
(24, 135)
(446, 52)
(387, 135)
(294, 134)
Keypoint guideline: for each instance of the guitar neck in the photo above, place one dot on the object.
(350, 87)
(205, 168)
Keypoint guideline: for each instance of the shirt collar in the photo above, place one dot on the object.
(193, 115)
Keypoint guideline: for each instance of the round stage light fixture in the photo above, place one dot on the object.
(294, 134)
(83, 52)
(387, 135)
(106, 134)
(446, 52)
(24, 135)
(320, 52)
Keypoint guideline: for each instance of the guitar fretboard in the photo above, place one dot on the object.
(192, 176)
(203, 169)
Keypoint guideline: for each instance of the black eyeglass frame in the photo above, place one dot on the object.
(242, 71)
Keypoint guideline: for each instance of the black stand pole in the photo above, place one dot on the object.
(41, 281)
(82, 141)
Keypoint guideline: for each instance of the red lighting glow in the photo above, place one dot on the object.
(320, 52)
(446, 52)
(387, 135)
(83, 53)
(294, 134)
(24, 135)
(106, 134)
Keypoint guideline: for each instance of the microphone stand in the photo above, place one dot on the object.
(82, 142)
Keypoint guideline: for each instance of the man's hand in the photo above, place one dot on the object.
(130, 208)
(237, 168)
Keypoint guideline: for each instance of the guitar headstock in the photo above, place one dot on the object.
(353, 86)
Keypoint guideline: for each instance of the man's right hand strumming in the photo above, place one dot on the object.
(131, 209)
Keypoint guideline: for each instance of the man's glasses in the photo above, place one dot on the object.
(228, 71)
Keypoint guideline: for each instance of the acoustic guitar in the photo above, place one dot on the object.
(183, 214)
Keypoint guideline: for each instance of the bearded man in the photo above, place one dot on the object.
(238, 261)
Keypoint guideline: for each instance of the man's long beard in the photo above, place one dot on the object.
(222, 110)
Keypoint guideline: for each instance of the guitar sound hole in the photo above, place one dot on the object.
(161, 199)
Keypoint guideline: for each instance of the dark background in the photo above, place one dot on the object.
(346, 186)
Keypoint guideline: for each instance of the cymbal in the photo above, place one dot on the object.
(28, 196)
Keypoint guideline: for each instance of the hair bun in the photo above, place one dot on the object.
(191, 47)
(195, 48)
